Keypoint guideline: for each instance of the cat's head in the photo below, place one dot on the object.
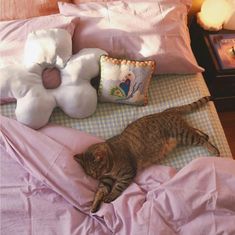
(94, 160)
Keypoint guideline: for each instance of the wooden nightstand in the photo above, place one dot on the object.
(221, 82)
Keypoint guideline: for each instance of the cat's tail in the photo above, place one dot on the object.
(191, 107)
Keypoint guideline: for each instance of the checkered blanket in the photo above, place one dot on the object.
(165, 91)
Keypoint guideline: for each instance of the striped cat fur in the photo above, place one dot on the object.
(144, 142)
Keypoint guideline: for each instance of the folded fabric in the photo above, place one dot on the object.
(35, 196)
(199, 199)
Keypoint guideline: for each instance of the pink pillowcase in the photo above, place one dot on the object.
(138, 30)
(14, 33)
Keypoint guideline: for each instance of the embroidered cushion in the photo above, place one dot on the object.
(125, 81)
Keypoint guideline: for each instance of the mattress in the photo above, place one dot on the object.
(165, 91)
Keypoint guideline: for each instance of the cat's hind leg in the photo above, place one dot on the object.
(168, 146)
(192, 137)
(201, 132)
(211, 148)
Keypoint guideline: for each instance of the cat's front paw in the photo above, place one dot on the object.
(109, 198)
(94, 209)
(95, 206)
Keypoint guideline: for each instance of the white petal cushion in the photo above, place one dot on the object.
(74, 95)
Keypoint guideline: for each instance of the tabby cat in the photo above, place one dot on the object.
(116, 161)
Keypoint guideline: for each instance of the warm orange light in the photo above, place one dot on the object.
(214, 13)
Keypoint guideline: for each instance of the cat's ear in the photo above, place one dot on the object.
(78, 157)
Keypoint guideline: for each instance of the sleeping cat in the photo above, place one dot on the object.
(142, 143)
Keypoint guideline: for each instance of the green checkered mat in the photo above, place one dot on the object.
(165, 91)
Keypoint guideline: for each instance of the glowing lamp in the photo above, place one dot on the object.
(217, 14)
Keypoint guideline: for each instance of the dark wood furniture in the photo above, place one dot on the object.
(221, 83)
(228, 122)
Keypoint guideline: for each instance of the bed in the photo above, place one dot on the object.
(43, 191)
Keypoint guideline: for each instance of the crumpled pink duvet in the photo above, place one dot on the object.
(44, 191)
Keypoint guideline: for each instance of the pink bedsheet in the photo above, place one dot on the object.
(44, 191)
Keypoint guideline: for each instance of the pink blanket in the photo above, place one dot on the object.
(44, 191)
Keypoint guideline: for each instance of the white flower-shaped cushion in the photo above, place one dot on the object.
(47, 50)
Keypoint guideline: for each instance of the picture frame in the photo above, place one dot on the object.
(223, 47)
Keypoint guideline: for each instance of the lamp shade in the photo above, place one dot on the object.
(217, 14)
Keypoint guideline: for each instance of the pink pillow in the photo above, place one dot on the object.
(14, 33)
(138, 30)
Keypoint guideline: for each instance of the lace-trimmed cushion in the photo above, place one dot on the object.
(125, 81)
